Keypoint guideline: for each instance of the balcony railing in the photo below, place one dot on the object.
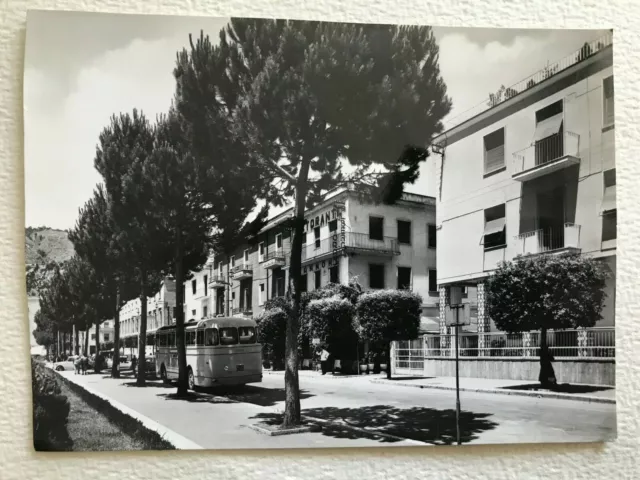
(547, 240)
(241, 271)
(217, 281)
(547, 155)
(388, 246)
(588, 343)
(275, 258)
(242, 311)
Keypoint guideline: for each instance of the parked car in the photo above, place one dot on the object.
(68, 364)
(124, 363)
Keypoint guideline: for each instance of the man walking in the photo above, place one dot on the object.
(324, 360)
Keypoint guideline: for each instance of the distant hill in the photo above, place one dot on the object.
(45, 248)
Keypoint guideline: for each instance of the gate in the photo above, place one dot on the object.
(409, 357)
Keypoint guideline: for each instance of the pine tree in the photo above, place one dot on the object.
(303, 97)
(123, 159)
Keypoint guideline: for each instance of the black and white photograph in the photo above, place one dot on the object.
(253, 233)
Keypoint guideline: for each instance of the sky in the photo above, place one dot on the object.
(81, 68)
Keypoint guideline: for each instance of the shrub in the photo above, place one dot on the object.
(385, 316)
(50, 411)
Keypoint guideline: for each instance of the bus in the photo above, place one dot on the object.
(220, 351)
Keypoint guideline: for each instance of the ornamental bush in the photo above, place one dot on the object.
(50, 411)
(385, 316)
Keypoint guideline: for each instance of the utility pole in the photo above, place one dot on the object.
(455, 303)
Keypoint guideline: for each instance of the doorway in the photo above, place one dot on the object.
(550, 207)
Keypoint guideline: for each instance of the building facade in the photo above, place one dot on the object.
(533, 174)
(197, 298)
(380, 246)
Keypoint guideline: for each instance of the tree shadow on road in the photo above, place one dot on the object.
(265, 397)
(429, 425)
(560, 388)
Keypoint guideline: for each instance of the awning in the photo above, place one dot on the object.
(547, 127)
(494, 226)
(609, 200)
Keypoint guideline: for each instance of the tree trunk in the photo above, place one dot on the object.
(547, 376)
(97, 365)
(291, 381)
(115, 372)
(183, 387)
(227, 299)
(142, 335)
(388, 352)
(76, 341)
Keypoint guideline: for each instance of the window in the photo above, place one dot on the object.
(609, 226)
(228, 336)
(404, 232)
(246, 335)
(609, 197)
(607, 99)
(211, 337)
(204, 312)
(162, 340)
(93, 336)
(404, 278)
(233, 298)
(194, 286)
(200, 337)
(433, 281)
(303, 283)
(494, 151)
(333, 225)
(172, 339)
(220, 269)
(190, 338)
(106, 337)
(279, 241)
(495, 235)
(376, 228)
(317, 279)
(316, 236)
(548, 136)
(465, 292)
(193, 312)
(233, 261)
(376, 276)
(245, 257)
(261, 252)
(334, 274)
(431, 236)
(206, 285)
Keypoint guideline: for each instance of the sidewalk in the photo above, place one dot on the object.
(585, 393)
(204, 420)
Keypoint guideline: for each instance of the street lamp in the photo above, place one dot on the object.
(455, 303)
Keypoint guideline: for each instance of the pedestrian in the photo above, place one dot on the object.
(77, 364)
(85, 363)
(134, 363)
(324, 360)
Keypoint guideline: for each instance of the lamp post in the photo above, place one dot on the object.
(455, 303)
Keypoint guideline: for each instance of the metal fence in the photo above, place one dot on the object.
(352, 240)
(595, 343)
(545, 151)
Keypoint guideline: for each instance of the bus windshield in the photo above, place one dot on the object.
(247, 335)
(228, 336)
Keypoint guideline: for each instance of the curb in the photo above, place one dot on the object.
(333, 377)
(177, 440)
(556, 396)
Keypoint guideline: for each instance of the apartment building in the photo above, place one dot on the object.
(382, 246)
(198, 300)
(533, 174)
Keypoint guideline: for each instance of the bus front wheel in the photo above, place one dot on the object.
(163, 375)
(192, 380)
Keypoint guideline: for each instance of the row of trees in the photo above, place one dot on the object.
(268, 114)
(342, 316)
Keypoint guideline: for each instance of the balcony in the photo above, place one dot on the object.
(553, 153)
(350, 243)
(244, 311)
(549, 241)
(275, 259)
(241, 272)
(217, 281)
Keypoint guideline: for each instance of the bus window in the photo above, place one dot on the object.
(190, 338)
(228, 336)
(247, 335)
(172, 339)
(200, 337)
(161, 340)
(211, 336)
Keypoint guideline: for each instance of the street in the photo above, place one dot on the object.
(381, 413)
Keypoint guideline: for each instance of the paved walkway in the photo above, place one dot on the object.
(212, 421)
(588, 393)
